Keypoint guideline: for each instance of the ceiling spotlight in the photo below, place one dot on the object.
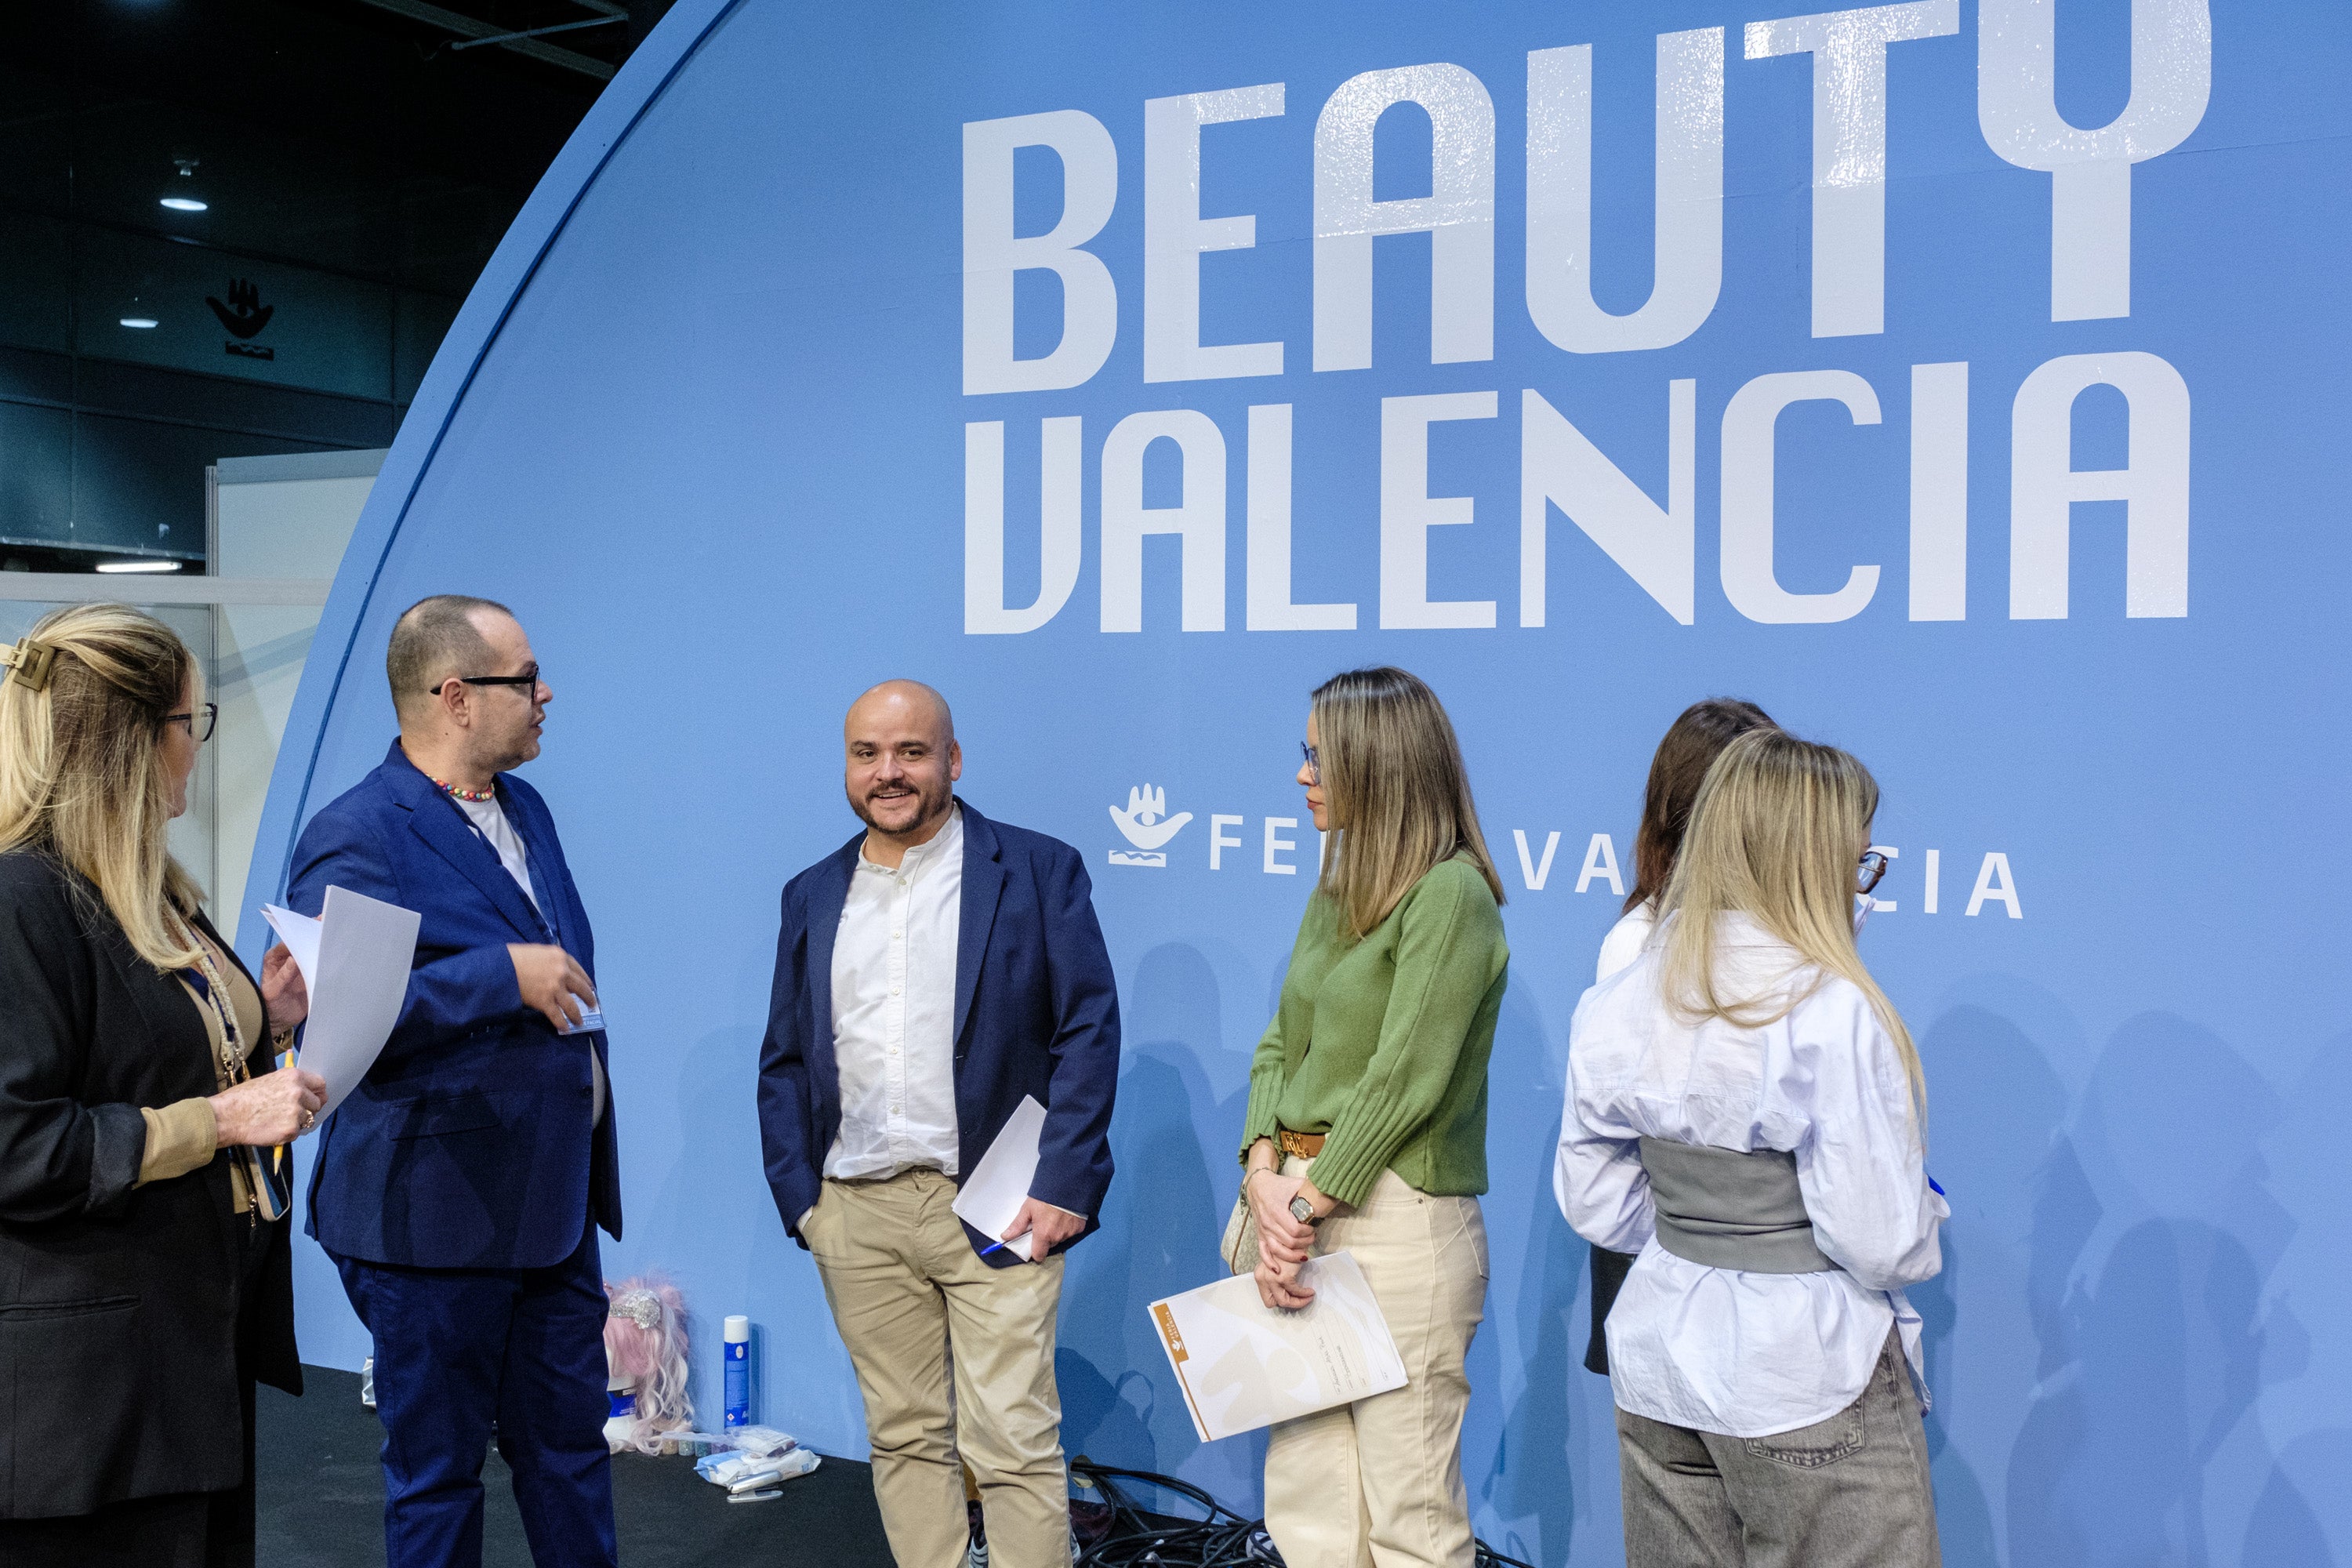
(138, 566)
(141, 322)
(183, 198)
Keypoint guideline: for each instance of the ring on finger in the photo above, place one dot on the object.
(309, 1120)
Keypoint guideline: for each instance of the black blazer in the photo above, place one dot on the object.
(123, 1339)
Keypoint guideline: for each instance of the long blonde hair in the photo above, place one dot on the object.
(1775, 835)
(1398, 795)
(80, 777)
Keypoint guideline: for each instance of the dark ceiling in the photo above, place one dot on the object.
(330, 133)
(338, 171)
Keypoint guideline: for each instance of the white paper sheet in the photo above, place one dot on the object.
(992, 1195)
(300, 935)
(1243, 1365)
(355, 959)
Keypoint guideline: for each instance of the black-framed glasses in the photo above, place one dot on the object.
(528, 678)
(1314, 763)
(1867, 875)
(200, 722)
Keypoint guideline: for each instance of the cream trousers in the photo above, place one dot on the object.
(955, 1359)
(1378, 1484)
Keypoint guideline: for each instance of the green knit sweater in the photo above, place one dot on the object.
(1400, 1026)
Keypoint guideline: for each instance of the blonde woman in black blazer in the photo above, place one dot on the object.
(144, 1281)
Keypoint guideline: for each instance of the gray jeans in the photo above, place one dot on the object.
(1848, 1492)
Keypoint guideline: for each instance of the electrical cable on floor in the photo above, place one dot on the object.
(1127, 1537)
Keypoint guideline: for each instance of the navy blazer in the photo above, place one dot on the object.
(1036, 1013)
(469, 1143)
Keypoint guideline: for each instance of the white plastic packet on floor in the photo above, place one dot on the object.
(764, 1442)
(744, 1472)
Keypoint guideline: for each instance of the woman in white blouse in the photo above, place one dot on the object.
(1692, 742)
(1746, 1111)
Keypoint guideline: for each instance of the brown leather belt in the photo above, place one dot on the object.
(1303, 1145)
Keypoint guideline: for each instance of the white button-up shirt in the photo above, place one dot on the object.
(1625, 941)
(492, 822)
(894, 976)
(1724, 1350)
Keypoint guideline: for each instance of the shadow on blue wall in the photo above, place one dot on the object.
(2150, 1251)
(712, 1076)
(1997, 1105)
(1533, 1474)
(2116, 1244)
(1531, 1498)
(1161, 1224)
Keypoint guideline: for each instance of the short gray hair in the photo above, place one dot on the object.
(434, 635)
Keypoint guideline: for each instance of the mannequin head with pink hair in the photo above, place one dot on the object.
(644, 1345)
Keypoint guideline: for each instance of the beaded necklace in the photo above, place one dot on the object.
(234, 1070)
(253, 1180)
(459, 793)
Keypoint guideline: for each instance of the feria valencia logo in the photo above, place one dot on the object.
(1916, 883)
(1146, 826)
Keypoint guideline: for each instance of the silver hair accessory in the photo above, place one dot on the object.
(642, 1308)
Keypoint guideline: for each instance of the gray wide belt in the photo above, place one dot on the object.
(1729, 1210)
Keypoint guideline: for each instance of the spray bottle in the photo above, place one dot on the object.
(736, 1337)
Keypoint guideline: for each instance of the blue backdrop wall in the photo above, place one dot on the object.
(1965, 382)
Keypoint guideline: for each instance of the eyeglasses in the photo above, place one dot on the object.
(200, 722)
(528, 678)
(1867, 875)
(1314, 763)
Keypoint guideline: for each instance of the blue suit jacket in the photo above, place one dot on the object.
(469, 1143)
(1036, 1013)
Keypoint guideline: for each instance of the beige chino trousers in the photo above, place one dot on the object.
(956, 1361)
(1378, 1484)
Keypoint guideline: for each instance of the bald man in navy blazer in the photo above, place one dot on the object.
(459, 1187)
(930, 973)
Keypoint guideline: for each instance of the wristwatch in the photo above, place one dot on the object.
(1303, 1212)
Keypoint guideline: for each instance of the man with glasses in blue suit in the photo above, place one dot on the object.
(459, 1187)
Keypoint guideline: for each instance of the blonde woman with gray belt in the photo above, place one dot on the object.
(1746, 1111)
(1367, 1122)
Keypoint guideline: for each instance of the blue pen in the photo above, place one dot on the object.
(998, 1247)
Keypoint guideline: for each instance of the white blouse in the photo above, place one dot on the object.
(1723, 1350)
(1625, 940)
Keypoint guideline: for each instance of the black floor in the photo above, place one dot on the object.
(322, 1500)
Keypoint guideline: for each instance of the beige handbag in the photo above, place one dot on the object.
(1239, 1247)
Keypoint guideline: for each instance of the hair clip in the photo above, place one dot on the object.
(28, 663)
(640, 1307)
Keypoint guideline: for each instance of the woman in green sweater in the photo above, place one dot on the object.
(1367, 1125)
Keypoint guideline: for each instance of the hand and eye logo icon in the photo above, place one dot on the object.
(244, 315)
(1146, 825)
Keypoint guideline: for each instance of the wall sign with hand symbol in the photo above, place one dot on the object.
(244, 315)
(1146, 825)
